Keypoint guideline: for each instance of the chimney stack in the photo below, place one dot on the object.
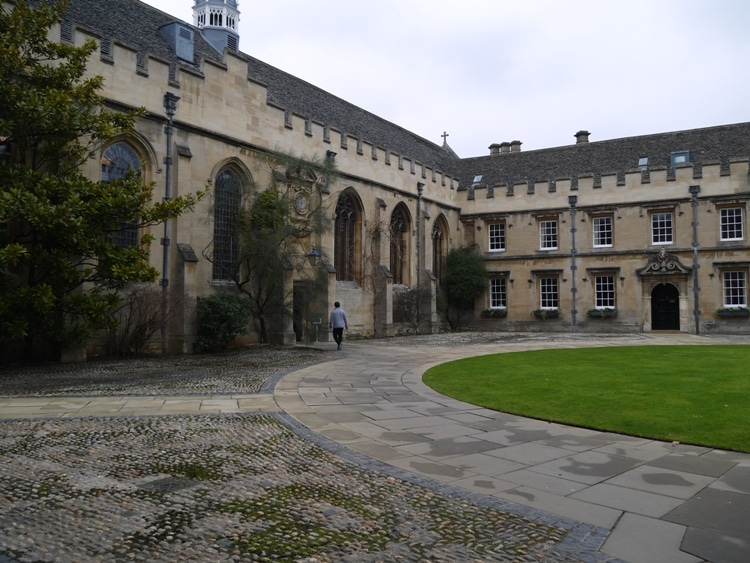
(515, 146)
(494, 149)
(582, 137)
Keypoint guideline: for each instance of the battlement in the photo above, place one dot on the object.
(227, 94)
(717, 178)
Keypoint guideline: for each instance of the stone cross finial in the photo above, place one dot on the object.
(445, 138)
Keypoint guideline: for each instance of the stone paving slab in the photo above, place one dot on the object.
(627, 485)
(655, 538)
(609, 491)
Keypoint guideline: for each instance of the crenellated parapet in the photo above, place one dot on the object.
(254, 104)
(729, 176)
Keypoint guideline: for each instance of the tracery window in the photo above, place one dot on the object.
(438, 250)
(117, 160)
(228, 198)
(345, 235)
(216, 17)
(399, 250)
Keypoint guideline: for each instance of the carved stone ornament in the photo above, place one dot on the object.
(664, 262)
(301, 199)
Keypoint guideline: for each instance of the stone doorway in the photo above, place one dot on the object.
(665, 307)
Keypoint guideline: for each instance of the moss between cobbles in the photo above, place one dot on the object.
(249, 487)
(281, 530)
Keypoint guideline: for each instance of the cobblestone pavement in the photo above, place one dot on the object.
(232, 487)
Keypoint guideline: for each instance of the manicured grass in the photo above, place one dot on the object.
(691, 394)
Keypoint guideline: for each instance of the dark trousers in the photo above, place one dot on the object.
(338, 334)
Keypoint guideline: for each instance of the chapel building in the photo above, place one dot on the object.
(637, 234)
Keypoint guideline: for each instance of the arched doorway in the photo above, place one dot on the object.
(665, 307)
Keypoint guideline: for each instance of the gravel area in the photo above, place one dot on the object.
(234, 487)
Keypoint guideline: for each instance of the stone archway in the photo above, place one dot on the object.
(664, 282)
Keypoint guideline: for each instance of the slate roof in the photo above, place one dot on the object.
(290, 92)
(137, 24)
(717, 144)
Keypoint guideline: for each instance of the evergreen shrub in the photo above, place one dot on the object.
(220, 318)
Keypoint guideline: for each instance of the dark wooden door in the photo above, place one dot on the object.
(665, 307)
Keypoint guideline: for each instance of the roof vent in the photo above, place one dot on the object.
(582, 137)
(180, 38)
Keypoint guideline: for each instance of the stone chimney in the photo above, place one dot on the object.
(505, 148)
(582, 137)
(494, 149)
(515, 146)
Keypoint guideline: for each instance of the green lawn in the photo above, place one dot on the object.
(691, 394)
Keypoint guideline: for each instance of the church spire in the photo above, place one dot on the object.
(218, 21)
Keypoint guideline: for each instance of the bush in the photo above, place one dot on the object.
(406, 305)
(220, 318)
(138, 318)
(465, 280)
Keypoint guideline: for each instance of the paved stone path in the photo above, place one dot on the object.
(638, 500)
(662, 502)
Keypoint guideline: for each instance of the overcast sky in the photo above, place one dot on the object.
(537, 71)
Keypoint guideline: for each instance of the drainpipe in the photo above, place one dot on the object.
(694, 191)
(420, 187)
(572, 200)
(170, 106)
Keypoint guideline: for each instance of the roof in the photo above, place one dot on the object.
(137, 24)
(717, 144)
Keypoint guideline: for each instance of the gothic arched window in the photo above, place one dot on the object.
(227, 201)
(117, 160)
(439, 243)
(399, 249)
(346, 239)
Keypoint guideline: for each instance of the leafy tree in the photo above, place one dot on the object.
(60, 270)
(273, 235)
(464, 281)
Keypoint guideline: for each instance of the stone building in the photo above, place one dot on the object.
(636, 234)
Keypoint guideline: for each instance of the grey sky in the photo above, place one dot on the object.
(488, 71)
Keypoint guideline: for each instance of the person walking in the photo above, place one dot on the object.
(338, 323)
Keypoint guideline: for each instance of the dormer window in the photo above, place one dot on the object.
(180, 38)
(677, 158)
